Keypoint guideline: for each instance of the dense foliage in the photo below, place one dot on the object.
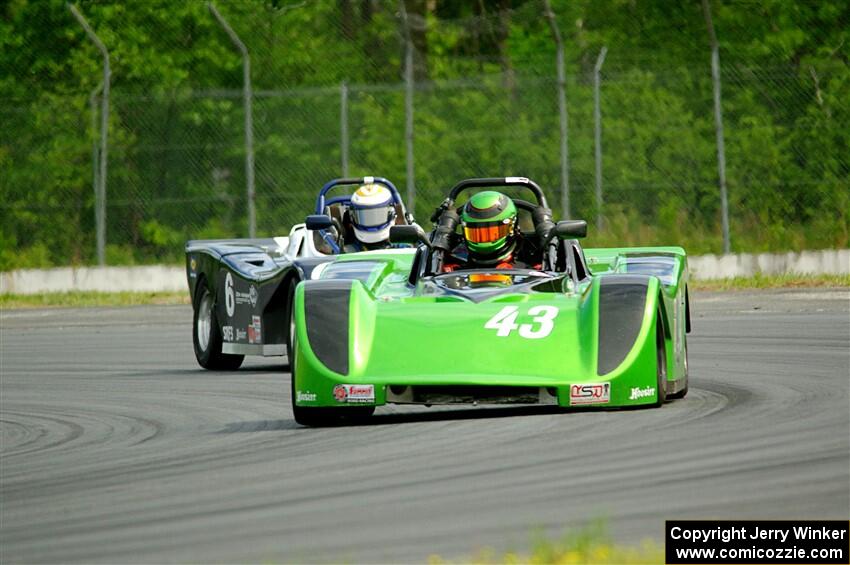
(485, 104)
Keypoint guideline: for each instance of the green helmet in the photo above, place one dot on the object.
(489, 221)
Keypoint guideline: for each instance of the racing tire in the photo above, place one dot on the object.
(206, 335)
(661, 361)
(684, 391)
(289, 314)
(318, 416)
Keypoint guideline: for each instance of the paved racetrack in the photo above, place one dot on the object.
(116, 447)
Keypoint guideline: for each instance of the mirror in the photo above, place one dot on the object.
(408, 234)
(569, 229)
(319, 222)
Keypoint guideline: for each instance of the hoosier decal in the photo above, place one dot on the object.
(642, 393)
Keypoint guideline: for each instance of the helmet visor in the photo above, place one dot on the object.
(372, 218)
(487, 232)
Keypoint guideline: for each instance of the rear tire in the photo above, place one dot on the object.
(661, 361)
(206, 335)
(684, 391)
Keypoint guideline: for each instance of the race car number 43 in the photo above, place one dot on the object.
(504, 322)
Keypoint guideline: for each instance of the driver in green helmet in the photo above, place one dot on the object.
(491, 237)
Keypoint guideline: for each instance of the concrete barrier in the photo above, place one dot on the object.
(826, 262)
(153, 278)
(159, 278)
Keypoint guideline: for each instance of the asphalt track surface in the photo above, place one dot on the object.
(116, 447)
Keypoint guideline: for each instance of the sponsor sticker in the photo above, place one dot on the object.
(193, 267)
(354, 393)
(305, 396)
(590, 393)
(255, 332)
(227, 333)
(642, 393)
(241, 334)
(249, 297)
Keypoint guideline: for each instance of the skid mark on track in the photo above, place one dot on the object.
(126, 451)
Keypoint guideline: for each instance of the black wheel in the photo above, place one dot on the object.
(206, 335)
(319, 416)
(661, 361)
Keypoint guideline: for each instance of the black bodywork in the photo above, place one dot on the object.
(250, 280)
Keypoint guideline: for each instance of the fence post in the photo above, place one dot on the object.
(718, 123)
(562, 111)
(247, 96)
(343, 126)
(100, 178)
(597, 120)
(408, 110)
(95, 176)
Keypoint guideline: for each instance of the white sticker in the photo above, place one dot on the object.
(590, 393)
(354, 393)
(255, 332)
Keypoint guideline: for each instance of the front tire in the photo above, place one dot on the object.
(206, 335)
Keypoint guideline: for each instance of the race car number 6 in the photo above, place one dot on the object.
(229, 298)
(504, 322)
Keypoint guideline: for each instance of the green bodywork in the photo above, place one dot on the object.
(402, 335)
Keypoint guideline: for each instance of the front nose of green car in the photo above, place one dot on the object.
(353, 348)
(334, 321)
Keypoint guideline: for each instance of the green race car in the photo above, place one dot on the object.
(569, 327)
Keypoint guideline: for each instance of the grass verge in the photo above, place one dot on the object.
(589, 545)
(80, 299)
(772, 281)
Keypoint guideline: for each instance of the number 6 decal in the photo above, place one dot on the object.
(229, 298)
(504, 322)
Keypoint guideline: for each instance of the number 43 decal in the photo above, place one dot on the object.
(505, 322)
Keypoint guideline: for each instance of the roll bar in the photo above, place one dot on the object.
(320, 201)
(446, 217)
(500, 181)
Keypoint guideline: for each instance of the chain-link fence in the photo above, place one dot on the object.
(484, 102)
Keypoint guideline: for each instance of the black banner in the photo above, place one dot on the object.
(757, 541)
